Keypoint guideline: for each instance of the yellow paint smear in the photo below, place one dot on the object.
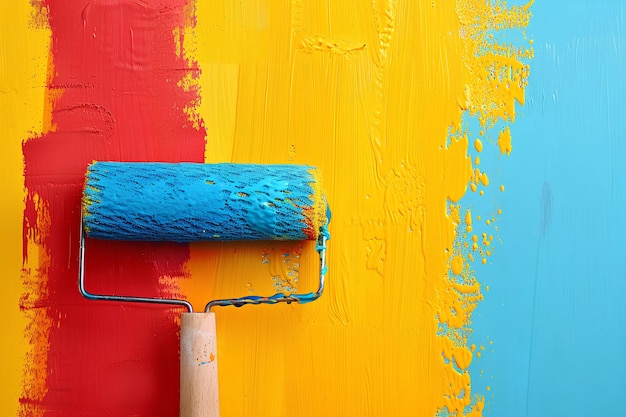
(456, 264)
(372, 93)
(24, 46)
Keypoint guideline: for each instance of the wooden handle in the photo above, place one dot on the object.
(198, 366)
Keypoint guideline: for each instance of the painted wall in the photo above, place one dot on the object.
(474, 259)
(555, 310)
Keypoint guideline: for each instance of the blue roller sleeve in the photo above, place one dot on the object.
(187, 202)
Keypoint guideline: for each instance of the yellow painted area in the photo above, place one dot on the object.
(468, 221)
(456, 264)
(24, 46)
(499, 74)
(372, 93)
(484, 179)
(504, 141)
(478, 145)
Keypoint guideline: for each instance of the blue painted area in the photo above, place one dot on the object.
(556, 308)
(189, 202)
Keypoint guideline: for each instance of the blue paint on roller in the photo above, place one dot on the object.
(188, 202)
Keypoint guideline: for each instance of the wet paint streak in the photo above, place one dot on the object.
(115, 83)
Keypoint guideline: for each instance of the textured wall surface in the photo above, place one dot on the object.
(471, 155)
(555, 311)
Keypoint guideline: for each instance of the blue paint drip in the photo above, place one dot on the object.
(191, 202)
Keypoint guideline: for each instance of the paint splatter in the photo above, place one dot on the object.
(499, 73)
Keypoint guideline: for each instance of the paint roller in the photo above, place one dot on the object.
(188, 202)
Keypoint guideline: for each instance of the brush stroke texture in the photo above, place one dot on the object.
(556, 311)
(367, 91)
(116, 72)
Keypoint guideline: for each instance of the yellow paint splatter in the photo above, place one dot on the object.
(504, 141)
(457, 265)
(484, 179)
(478, 145)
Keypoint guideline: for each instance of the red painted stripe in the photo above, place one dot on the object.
(117, 67)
